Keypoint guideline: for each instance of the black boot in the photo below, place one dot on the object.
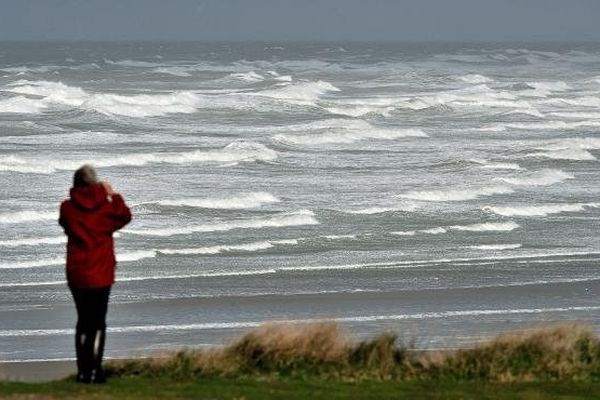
(83, 366)
(97, 373)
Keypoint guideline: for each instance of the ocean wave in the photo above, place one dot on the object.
(242, 201)
(18, 217)
(49, 262)
(381, 210)
(480, 227)
(133, 63)
(181, 72)
(473, 96)
(240, 151)
(21, 105)
(565, 154)
(496, 165)
(547, 125)
(495, 246)
(544, 177)
(249, 76)
(256, 246)
(302, 91)
(344, 131)
(568, 149)
(254, 324)
(298, 218)
(456, 194)
(486, 227)
(474, 78)
(141, 105)
(539, 210)
(33, 241)
(550, 86)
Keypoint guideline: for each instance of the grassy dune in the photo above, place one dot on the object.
(319, 361)
(568, 352)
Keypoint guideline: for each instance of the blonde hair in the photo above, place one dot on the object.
(85, 175)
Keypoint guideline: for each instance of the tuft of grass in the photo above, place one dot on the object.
(567, 352)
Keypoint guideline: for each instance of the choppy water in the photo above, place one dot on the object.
(448, 191)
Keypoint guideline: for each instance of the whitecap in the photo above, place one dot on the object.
(240, 151)
(18, 217)
(241, 201)
(544, 177)
(474, 78)
(33, 241)
(456, 194)
(298, 218)
(539, 210)
(495, 246)
(251, 247)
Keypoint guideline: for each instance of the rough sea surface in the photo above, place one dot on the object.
(448, 192)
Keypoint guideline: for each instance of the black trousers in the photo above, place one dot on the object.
(90, 333)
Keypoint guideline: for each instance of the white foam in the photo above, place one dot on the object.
(48, 262)
(298, 218)
(568, 149)
(546, 125)
(474, 78)
(33, 241)
(544, 177)
(355, 131)
(456, 194)
(497, 165)
(481, 227)
(250, 76)
(556, 86)
(495, 246)
(539, 210)
(21, 105)
(301, 91)
(140, 105)
(18, 217)
(175, 71)
(404, 233)
(241, 201)
(487, 227)
(44, 262)
(235, 152)
(255, 246)
(253, 324)
(434, 231)
(565, 154)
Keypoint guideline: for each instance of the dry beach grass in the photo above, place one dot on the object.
(566, 352)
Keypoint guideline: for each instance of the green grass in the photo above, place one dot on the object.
(250, 388)
(319, 361)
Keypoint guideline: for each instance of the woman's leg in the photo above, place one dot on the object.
(98, 335)
(92, 305)
(82, 333)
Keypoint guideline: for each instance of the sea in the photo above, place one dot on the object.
(445, 192)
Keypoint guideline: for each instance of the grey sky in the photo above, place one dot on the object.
(283, 20)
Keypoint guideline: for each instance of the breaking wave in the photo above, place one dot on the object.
(303, 217)
(544, 177)
(456, 194)
(481, 227)
(18, 217)
(343, 131)
(248, 200)
(539, 210)
(235, 152)
(33, 241)
(256, 246)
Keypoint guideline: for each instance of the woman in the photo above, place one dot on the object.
(89, 218)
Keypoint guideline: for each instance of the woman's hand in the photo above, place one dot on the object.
(108, 188)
